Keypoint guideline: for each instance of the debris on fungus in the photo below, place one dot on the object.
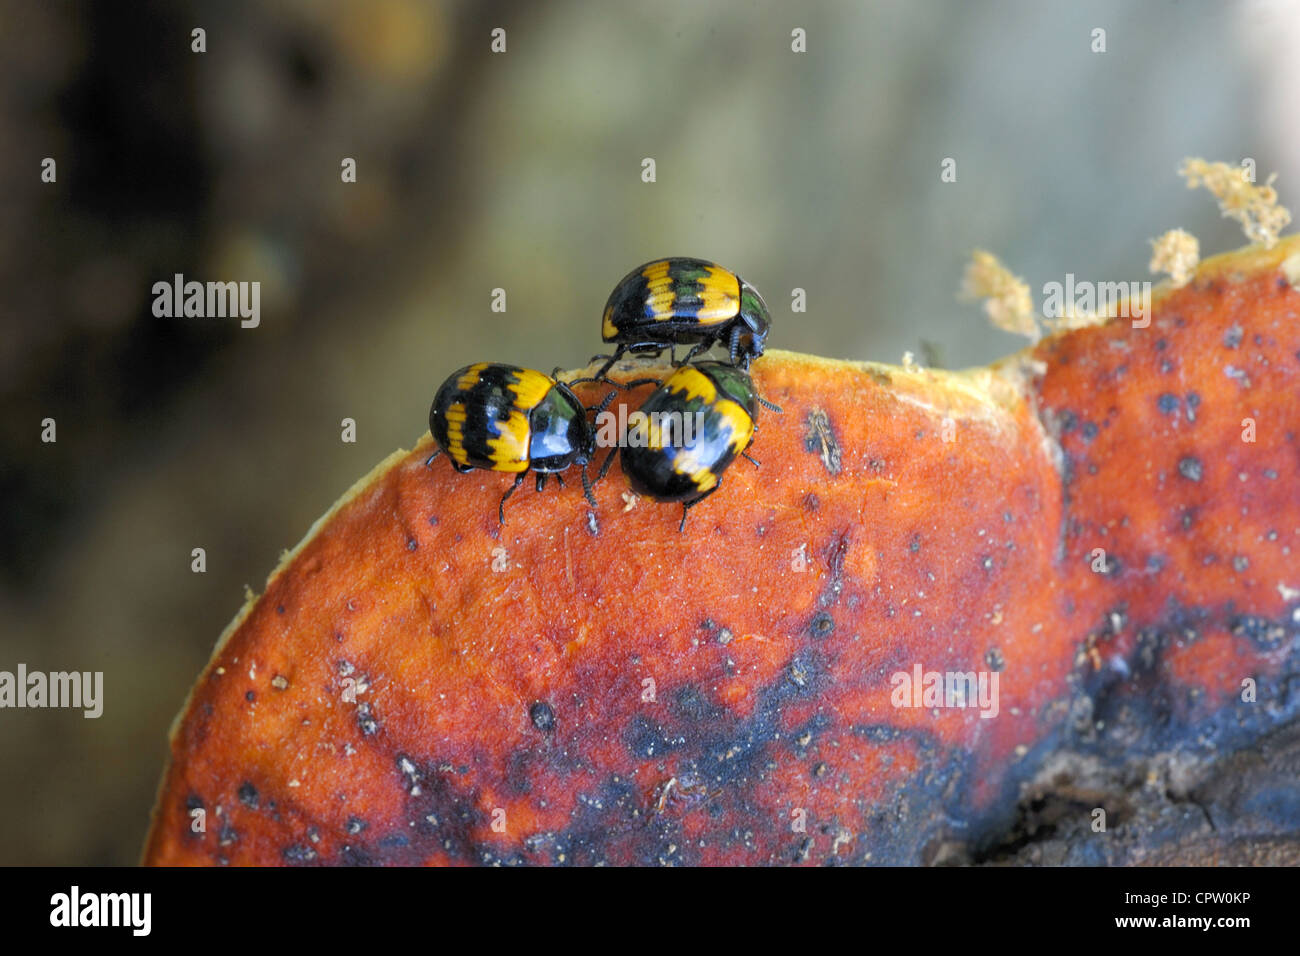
(1175, 253)
(1007, 300)
(1254, 206)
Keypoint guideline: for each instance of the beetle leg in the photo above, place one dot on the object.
(609, 460)
(429, 461)
(501, 506)
(609, 360)
(541, 480)
(735, 346)
(688, 505)
(604, 402)
(560, 479)
(698, 349)
(747, 455)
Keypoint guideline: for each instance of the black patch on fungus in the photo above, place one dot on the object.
(820, 440)
(1167, 403)
(354, 856)
(1190, 468)
(411, 544)
(250, 696)
(994, 658)
(193, 802)
(823, 625)
(835, 552)
(247, 794)
(542, 716)
(355, 825)
(1232, 338)
(1264, 633)
(366, 720)
(227, 835)
(690, 704)
(647, 738)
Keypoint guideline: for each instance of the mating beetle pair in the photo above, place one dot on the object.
(510, 419)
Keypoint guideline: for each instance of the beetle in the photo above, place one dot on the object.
(681, 301)
(689, 430)
(510, 419)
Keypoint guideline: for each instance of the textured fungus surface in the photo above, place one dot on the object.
(1085, 520)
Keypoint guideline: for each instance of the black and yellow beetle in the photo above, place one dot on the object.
(681, 301)
(687, 433)
(505, 418)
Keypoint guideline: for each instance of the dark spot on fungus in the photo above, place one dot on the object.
(1190, 468)
(1089, 431)
(993, 657)
(820, 440)
(1167, 403)
(542, 716)
(193, 802)
(1265, 633)
(366, 721)
(646, 738)
(811, 502)
(410, 544)
(248, 795)
(279, 609)
(822, 625)
(692, 705)
(355, 825)
(298, 854)
(250, 696)
(915, 544)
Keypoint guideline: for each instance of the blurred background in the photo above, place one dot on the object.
(477, 170)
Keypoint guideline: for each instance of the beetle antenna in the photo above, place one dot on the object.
(766, 404)
(586, 486)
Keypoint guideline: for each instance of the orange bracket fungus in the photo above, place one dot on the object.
(872, 648)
